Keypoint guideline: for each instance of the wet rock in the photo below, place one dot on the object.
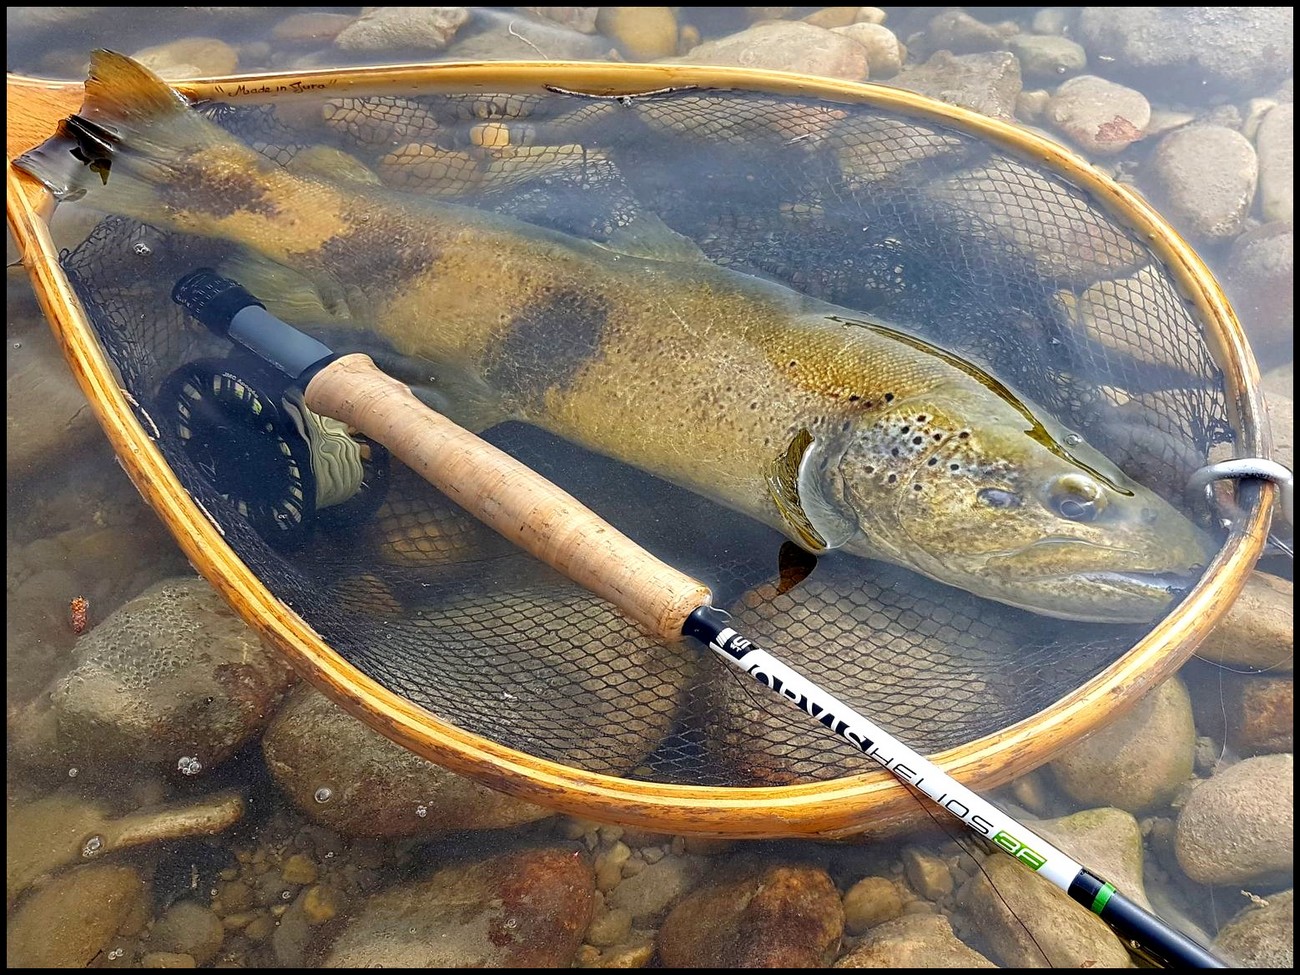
(884, 52)
(610, 928)
(1109, 841)
(1045, 58)
(525, 908)
(1139, 761)
(1259, 280)
(1031, 106)
(167, 959)
(871, 901)
(1275, 146)
(1258, 630)
(316, 27)
(46, 415)
(188, 928)
(63, 828)
(755, 915)
(70, 922)
(1099, 116)
(958, 32)
(916, 941)
(1237, 49)
(1238, 827)
(345, 776)
(1053, 20)
(649, 894)
(984, 83)
(1261, 935)
(786, 46)
(582, 19)
(1008, 903)
(1205, 175)
(191, 57)
(928, 874)
(642, 33)
(402, 29)
(1261, 714)
(172, 678)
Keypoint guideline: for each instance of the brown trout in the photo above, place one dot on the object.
(842, 433)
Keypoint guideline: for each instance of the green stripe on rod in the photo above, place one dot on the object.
(1103, 895)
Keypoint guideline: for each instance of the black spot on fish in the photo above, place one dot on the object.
(379, 248)
(193, 186)
(548, 343)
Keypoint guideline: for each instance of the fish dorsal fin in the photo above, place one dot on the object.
(648, 237)
(794, 481)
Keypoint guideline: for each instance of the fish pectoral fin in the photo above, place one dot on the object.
(794, 482)
(286, 292)
(646, 236)
(464, 399)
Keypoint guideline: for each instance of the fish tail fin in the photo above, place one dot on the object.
(132, 127)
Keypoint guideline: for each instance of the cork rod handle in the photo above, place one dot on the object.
(507, 496)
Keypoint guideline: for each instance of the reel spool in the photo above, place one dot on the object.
(285, 469)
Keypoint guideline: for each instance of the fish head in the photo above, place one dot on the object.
(1011, 506)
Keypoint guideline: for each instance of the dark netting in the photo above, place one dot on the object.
(931, 228)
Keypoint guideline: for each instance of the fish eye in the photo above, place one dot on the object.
(998, 498)
(1076, 497)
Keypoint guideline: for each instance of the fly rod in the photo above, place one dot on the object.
(556, 528)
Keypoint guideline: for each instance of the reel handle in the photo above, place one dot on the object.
(507, 496)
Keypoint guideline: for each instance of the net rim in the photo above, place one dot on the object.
(869, 802)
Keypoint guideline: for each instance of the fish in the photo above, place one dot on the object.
(841, 431)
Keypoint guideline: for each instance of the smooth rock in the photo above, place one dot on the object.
(786, 46)
(524, 908)
(755, 915)
(1139, 761)
(316, 27)
(1109, 841)
(928, 874)
(345, 776)
(70, 921)
(1205, 177)
(871, 901)
(1260, 281)
(1238, 827)
(191, 57)
(917, 941)
(1261, 714)
(985, 83)
(652, 892)
(1008, 904)
(581, 19)
(188, 928)
(884, 52)
(1237, 49)
(402, 28)
(500, 36)
(173, 678)
(1275, 146)
(642, 33)
(1258, 630)
(958, 32)
(1099, 116)
(1261, 935)
(1047, 58)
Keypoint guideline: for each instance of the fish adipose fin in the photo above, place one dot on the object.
(794, 482)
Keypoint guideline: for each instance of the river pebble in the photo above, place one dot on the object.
(1045, 58)
(1099, 116)
(755, 915)
(1258, 630)
(917, 941)
(1275, 146)
(1109, 841)
(381, 29)
(786, 46)
(188, 928)
(651, 893)
(1238, 827)
(71, 922)
(523, 908)
(1205, 176)
(641, 33)
(885, 54)
(871, 901)
(1259, 280)
(985, 83)
(1262, 935)
(190, 57)
(1139, 761)
(343, 775)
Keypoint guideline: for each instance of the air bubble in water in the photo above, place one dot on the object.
(1073, 439)
(142, 249)
(72, 772)
(422, 811)
(92, 846)
(189, 765)
(115, 954)
(324, 794)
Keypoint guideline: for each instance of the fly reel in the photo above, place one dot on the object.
(285, 469)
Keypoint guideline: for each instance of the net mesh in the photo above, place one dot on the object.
(1003, 262)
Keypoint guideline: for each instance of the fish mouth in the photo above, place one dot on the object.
(1171, 583)
(1119, 595)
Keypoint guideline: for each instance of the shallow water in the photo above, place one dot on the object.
(277, 888)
